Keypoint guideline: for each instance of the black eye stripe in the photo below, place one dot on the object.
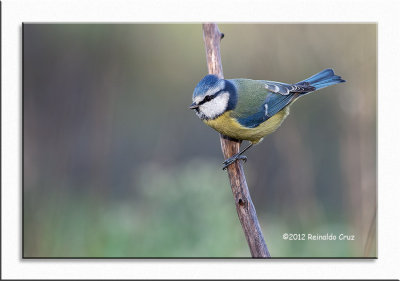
(208, 98)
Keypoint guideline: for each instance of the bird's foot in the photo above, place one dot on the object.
(231, 160)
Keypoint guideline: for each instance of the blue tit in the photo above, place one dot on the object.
(245, 109)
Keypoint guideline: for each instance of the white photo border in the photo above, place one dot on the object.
(384, 13)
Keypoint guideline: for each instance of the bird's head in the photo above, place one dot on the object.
(213, 96)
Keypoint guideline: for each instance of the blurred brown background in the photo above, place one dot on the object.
(116, 165)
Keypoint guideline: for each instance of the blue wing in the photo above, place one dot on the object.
(281, 94)
(273, 104)
(286, 89)
(285, 93)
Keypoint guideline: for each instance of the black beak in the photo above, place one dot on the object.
(194, 106)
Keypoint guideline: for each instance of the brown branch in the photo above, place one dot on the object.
(244, 205)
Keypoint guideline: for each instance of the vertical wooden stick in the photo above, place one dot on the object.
(244, 205)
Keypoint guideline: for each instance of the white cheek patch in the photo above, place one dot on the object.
(216, 106)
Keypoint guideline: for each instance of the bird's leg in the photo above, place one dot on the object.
(237, 156)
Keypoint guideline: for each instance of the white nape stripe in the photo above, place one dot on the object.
(266, 109)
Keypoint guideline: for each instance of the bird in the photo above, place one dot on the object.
(248, 110)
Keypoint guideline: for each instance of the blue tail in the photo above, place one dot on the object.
(323, 79)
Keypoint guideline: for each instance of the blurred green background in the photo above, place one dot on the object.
(116, 165)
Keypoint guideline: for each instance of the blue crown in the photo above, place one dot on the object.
(207, 83)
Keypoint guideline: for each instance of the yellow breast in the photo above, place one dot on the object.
(228, 126)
